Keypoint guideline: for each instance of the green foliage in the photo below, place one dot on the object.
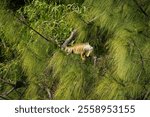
(128, 26)
(75, 80)
(118, 30)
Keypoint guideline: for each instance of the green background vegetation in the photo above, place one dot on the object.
(33, 68)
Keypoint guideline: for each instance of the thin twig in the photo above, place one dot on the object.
(3, 97)
(6, 82)
(140, 54)
(45, 38)
(54, 41)
(141, 9)
(22, 93)
(33, 29)
(146, 95)
(8, 92)
(49, 93)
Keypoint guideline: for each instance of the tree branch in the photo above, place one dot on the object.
(71, 37)
(67, 41)
(8, 92)
(140, 54)
(20, 97)
(74, 34)
(49, 93)
(6, 82)
(45, 38)
(3, 97)
(141, 9)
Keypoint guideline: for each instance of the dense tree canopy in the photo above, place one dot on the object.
(32, 67)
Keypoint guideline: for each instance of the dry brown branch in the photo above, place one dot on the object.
(71, 38)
